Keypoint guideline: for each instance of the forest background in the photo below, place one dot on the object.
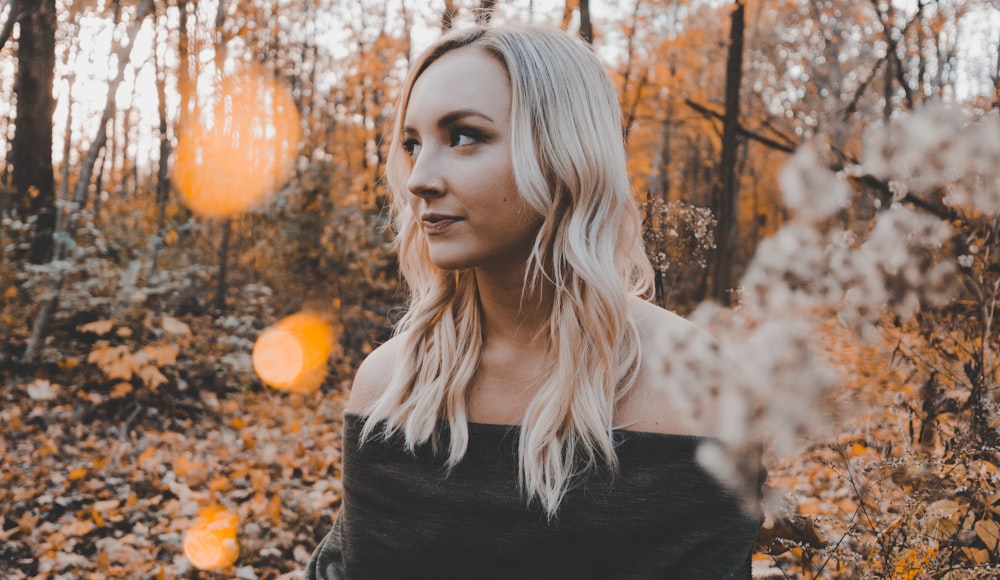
(135, 407)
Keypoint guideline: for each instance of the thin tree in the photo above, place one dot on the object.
(227, 223)
(631, 106)
(725, 197)
(31, 149)
(586, 27)
(162, 173)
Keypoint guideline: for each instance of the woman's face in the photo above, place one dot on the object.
(456, 131)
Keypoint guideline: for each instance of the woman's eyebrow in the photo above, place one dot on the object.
(453, 117)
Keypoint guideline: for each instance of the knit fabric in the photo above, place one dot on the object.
(404, 516)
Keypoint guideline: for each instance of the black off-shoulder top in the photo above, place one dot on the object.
(403, 516)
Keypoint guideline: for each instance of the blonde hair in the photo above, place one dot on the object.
(569, 166)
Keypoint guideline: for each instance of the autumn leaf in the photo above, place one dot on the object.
(219, 483)
(989, 532)
(78, 528)
(120, 390)
(163, 354)
(42, 390)
(151, 376)
(193, 471)
(942, 529)
(116, 361)
(98, 327)
(945, 524)
(173, 326)
(977, 555)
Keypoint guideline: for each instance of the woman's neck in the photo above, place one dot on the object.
(511, 314)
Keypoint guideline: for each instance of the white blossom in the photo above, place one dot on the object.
(809, 188)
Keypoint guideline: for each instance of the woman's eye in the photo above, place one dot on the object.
(411, 147)
(463, 137)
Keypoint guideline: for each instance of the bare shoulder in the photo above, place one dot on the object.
(649, 406)
(373, 375)
(652, 320)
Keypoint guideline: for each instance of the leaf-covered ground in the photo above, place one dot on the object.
(88, 497)
(101, 477)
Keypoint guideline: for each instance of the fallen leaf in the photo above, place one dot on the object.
(152, 376)
(117, 362)
(78, 528)
(120, 390)
(163, 354)
(173, 326)
(98, 327)
(989, 532)
(977, 555)
(42, 390)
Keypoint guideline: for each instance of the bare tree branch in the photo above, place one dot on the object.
(852, 107)
(485, 12)
(892, 49)
(743, 131)
(448, 15)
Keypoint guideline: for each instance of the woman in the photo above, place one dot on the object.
(511, 428)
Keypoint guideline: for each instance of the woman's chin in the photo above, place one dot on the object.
(450, 263)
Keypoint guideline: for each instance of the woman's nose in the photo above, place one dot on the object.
(425, 180)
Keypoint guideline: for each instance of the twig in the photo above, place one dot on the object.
(743, 131)
(131, 419)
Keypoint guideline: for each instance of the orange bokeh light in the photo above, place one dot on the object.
(210, 543)
(238, 146)
(292, 355)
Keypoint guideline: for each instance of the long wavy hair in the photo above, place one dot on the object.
(569, 165)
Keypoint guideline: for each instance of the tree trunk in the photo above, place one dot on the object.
(227, 226)
(996, 79)
(586, 28)
(101, 166)
(163, 168)
(184, 76)
(662, 182)
(31, 150)
(631, 107)
(890, 63)
(725, 198)
(219, 304)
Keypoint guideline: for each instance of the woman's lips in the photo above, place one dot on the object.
(439, 224)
